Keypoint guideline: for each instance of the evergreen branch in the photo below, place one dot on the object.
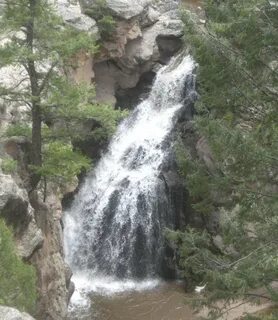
(256, 295)
(47, 76)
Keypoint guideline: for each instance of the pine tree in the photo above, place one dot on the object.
(236, 50)
(39, 44)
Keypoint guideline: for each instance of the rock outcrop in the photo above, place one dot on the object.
(147, 33)
(7, 313)
(19, 214)
(54, 285)
(38, 235)
(71, 14)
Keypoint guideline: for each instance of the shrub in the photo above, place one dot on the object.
(17, 279)
(8, 166)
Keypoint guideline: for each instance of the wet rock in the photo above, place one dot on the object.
(168, 46)
(8, 313)
(131, 97)
(178, 198)
(88, 144)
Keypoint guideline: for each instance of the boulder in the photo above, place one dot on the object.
(127, 9)
(71, 14)
(17, 212)
(8, 313)
(10, 190)
(31, 240)
(146, 48)
(124, 9)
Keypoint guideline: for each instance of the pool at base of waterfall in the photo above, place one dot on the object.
(148, 300)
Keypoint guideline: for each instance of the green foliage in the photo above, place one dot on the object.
(106, 26)
(64, 42)
(8, 166)
(61, 163)
(17, 279)
(199, 182)
(18, 130)
(40, 43)
(188, 244)
(268, 314)
(107, 117)
(105, 21)
(97, 9)
(236, 51)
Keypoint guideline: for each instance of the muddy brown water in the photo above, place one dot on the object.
(166, 302)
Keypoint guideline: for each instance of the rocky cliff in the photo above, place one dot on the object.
(145, 35)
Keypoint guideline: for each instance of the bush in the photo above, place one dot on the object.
(17, 279)
(18, 130)
(106, 26)
(8, 166)
(105, 22)
(61, 163)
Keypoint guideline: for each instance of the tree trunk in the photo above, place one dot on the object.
(36, 143)
(36, 159)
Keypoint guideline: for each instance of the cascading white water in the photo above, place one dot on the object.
(114, 229)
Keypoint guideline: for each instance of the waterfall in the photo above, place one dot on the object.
(114, 229)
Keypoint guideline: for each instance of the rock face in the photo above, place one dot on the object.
(54, 285)
(127, 8)
(147, 33)
(18, 213)
(38, 235)
(7, 313)
(71, 14)
(12, 112)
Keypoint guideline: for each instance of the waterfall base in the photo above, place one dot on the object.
(164, 302)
